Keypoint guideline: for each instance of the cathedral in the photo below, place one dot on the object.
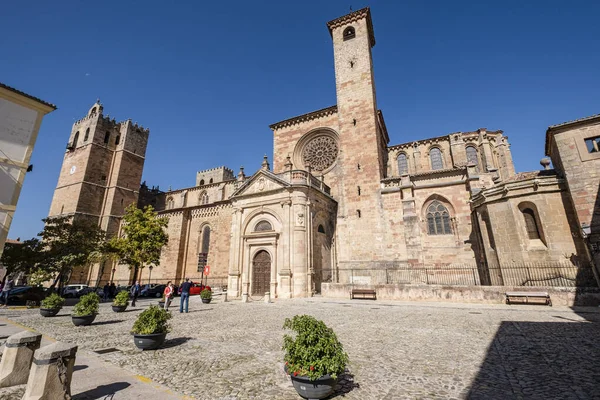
(338, 203)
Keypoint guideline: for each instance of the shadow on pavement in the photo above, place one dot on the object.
(175, 342)
(114, 321)
(345, 385)
(79, 367)
(540, 360)
(102, 391)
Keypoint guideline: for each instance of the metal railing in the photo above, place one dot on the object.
(513, 274)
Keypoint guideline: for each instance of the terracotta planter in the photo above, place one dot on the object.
(119, 308)
(206, 301)
(49, 312)
(149, 342)
(83, 320)
(320, 388)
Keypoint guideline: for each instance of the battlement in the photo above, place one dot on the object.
(214, 175)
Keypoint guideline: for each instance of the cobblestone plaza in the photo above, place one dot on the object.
(397, 350)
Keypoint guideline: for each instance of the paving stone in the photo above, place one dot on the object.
(399, 351)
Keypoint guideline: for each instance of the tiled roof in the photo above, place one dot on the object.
(585, 119)
(521, 176)
(2, 85)
(304, 117)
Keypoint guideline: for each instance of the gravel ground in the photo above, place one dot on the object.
(397, 350)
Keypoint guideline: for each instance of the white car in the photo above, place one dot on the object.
(71, 290)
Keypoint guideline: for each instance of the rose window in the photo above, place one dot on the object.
(320, 153)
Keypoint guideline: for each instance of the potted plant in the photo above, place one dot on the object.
(151, 328)
(120, 302)
(314, 358)
(51, 305)
(86, 310)
(206, 296)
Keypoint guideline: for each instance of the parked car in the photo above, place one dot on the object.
(153, 290)
(27, 295)
(195, 289)
(71, 290)
(88, 289)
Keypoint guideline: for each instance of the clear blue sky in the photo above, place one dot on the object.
(209, 77)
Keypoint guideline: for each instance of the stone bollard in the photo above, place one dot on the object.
(267, 297)
(225, 296)
(244, 297)
(50, 376)
(17, 357)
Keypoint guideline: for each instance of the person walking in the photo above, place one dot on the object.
(168, 294)
(185, 295)
(112, 290)
(106, 291)
(135, 291)
(6, 290)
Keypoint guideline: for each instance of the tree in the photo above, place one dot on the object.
(21, 257)
(68, 244)
(141, 240)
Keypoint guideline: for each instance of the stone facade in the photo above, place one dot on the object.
(100, 176)
(341, 199)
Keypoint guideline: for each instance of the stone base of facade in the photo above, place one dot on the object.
(467, 294)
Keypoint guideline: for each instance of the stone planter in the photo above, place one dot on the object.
(206, 301)
(119, 308)
(149, 342)
(83, 320)
(317, 389)
(49, 312)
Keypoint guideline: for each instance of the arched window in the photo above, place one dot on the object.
(263, 226)
(106, 137)
(438, 219)
(203, 197)
(211, 180)
(205, 239)
(472, 157)
(75, 139)
(201, 182)
(349, 33)
(87, 135)
(321, 229)
(402, 164)
(435, 155)
(93, 111)
(117, 139)
(170, 203)
(531, 225)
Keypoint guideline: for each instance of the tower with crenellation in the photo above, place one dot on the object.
(102, 169)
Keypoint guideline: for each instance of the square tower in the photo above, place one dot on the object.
(101, 170)
(362, 140)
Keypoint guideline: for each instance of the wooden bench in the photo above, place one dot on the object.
(525, 296)
(363, 294)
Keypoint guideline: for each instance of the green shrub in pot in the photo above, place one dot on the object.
(153, 320)
(87, 305)
(53, 301)
(121, 299)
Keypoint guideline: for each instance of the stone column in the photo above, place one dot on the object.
(234, 286)
(17, 357)
(50, 375)
(299, 248)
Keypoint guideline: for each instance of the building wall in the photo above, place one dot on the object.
(20, 120)
(580, 168)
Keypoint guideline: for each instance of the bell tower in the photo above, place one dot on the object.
(363, 141)
(101, 170)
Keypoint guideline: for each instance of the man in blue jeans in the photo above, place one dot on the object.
(185, 295)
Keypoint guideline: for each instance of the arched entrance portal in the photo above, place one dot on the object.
(261, 273)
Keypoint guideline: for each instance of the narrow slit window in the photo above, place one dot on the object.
(106, 137)
(402, 164)
(533, 231)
